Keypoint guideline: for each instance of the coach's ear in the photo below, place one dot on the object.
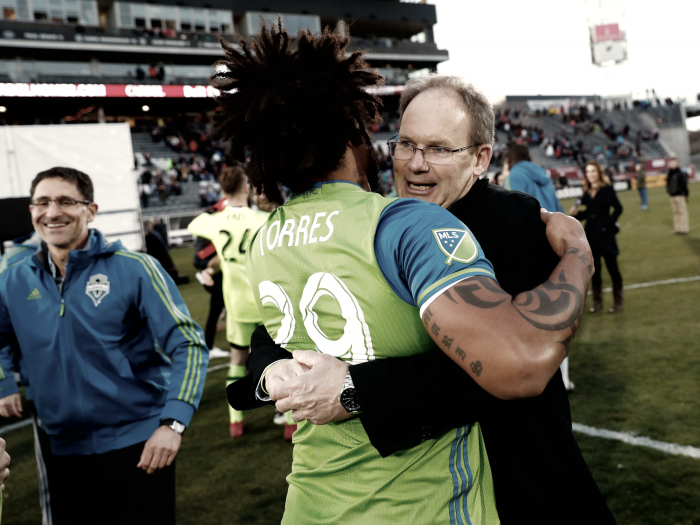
(483, 156)
(92, 211)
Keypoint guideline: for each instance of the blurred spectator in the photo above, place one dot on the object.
(162, 186)
(157, 247)
(208, 195)
(527, 177)
(175, 186)
(144, 190)
(642, 185)
(677, 188)
(140, 73)
(601, 227)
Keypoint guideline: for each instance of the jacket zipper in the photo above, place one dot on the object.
(69, 373)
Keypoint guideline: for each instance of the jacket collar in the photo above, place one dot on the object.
(96, 246)
(465, 203)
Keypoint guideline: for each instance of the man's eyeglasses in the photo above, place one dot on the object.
(62, 203)
(432, 154)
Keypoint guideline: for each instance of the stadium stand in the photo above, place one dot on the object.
(611, 137)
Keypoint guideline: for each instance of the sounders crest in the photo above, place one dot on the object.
(97, 288)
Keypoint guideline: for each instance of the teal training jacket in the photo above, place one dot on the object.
(107, 357)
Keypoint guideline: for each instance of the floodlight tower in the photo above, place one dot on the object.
(607, 25)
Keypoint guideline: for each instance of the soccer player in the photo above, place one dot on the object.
(361, 277)
(230, 231)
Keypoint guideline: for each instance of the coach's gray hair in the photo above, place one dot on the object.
(475, 103)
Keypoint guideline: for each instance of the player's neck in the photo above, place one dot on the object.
(347, 170)
(238, 200)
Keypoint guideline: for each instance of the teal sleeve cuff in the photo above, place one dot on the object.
(8, 386)
(179, 410)
(437, 288)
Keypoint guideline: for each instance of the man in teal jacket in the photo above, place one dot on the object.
(115, 362)
(527, 177)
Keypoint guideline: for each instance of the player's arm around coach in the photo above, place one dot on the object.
(511, 346)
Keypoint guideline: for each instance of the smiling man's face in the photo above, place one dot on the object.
(65, 228)
(436, 118)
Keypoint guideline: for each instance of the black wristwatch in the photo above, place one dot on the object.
(174, 424)
(348, 397)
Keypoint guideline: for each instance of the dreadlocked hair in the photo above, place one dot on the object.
(293, 109)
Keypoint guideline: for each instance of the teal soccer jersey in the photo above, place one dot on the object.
(345, 272)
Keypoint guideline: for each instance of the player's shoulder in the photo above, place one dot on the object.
(413, 207)
(260, 215)
(407, 215)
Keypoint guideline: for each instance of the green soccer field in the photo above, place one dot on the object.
(637, 372)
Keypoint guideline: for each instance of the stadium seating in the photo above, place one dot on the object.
(142, 142)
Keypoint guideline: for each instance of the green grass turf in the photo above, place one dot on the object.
(638, 371)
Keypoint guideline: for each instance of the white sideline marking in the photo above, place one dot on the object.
(15, 426)
(218, 367)
(654, 283)
(625, 437)
(669, 448)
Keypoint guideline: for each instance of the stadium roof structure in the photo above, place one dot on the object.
(56, 47)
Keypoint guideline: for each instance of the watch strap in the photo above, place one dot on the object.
(177, 426)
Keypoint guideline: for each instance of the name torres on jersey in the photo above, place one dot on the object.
(274, 234)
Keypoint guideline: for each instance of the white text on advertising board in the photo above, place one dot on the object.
(53, 90)
(144, 91)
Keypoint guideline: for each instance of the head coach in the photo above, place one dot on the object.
(538, 471)
(115, 362)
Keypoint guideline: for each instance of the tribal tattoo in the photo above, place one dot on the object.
(551, 306)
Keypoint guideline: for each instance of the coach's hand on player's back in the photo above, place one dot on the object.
(315, 395)
(160, 449)
(11, 406)
(563, 232)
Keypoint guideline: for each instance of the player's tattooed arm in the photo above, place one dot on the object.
(512, 345)
(446, 343)
(552, 306)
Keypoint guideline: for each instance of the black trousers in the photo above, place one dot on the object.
(613, 270)
(108, 489)
(216, 304)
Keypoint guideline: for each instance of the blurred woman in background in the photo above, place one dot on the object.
(599, 198)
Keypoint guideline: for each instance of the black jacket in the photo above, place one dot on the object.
(600, 223)
(538, 471)
(676, 183)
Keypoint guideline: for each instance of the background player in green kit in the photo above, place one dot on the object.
(230, 231)
(348, 273)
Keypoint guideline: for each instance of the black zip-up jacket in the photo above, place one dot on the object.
(539, 474)
(600, 222)
(676, 183)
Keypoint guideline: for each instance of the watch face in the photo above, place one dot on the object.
(347, 399)
(178, 427)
